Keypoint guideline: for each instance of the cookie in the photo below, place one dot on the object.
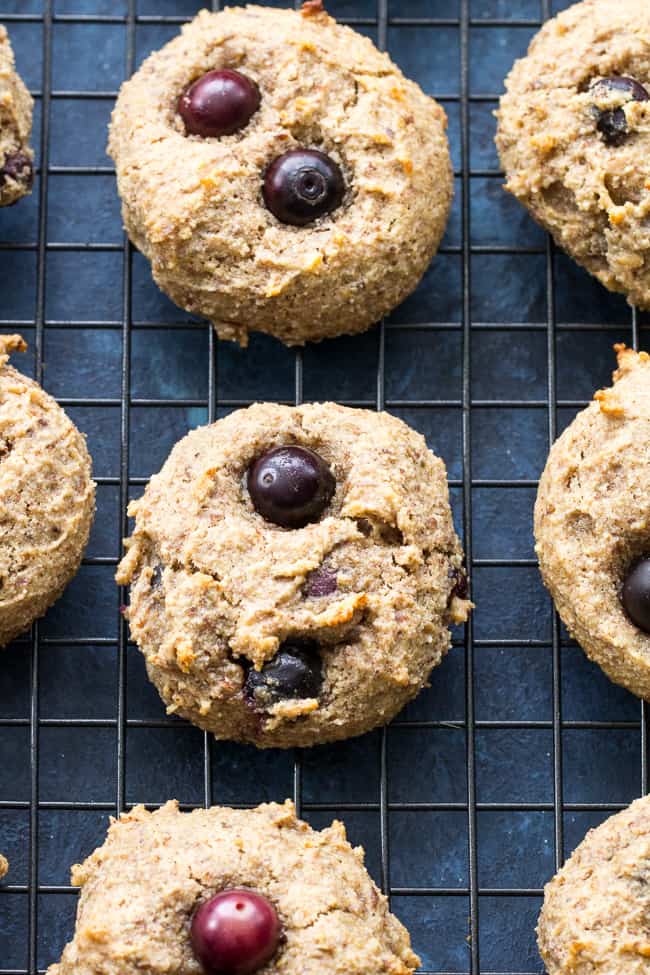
(592, 525)
(281, 896)
(594, 918)
(293, 573)
(4, 866)
(16, 157)
(280, 173)
(47, 497)
(574, 138)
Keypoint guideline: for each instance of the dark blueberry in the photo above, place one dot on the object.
(219, 103)
(302, 185)
(460, 588)
(290, 486)
(156, 577)
(636, 594)
(295, 672)
(321, 582)
(235, 933)
(17, 166)
(611, 122)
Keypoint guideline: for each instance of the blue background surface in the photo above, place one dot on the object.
(72, 787)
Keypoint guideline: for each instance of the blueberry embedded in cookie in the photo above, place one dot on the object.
(594, 917)
(16, 156)
(574, 138)
(236, 932)
(294, 572)
(592, 525)
(280, 173)
(229, 892)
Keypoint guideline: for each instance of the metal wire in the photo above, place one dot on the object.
(467, 327)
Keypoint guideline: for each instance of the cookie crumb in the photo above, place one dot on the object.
(4, 866)
(311, 8)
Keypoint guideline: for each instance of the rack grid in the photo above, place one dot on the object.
(462, 924)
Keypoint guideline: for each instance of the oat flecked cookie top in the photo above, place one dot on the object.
(47, 497)
(592, 522)
(142, 887)
(350, 611)
(595, 915)
(194, 205)
(16, 157)
(574, 138)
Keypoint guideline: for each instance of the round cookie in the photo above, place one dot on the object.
(594, 918)
(195, 205)
(47, 497)
(141, 889)
(4, 866)
(294, 636)
(574, 138)
(16, 157)
(592, 522)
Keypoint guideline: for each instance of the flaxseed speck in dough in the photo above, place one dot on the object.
(217, 590)
(47, 497)
(142, 887)
(574, 138)
(194, 205)
(595, 915)
(16, 156)
(592, 521)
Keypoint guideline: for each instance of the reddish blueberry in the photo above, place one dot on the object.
(290, 486)
(219, 103)
(636, 594)
(295, 672)
(321, 582)
(612, 122)
(18, 167)
(235, 933)
(302, 185)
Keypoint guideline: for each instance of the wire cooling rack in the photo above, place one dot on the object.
(471, 799)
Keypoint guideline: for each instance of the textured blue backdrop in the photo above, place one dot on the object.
(513, 672)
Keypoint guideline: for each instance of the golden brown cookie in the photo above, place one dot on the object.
(294, 572)
(142, 889)
(592, 525)
(4, 866)
(594, 918)
(47, 497)
(16, 156)
(196, 205)
(574, 138)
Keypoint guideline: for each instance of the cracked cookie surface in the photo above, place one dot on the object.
(16, 156)
(194, 205)
(592, 521)
(594, 918)
(217, 590)
(142, 887)
(574, 138)
(47, 497)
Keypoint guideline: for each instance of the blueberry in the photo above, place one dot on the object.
(290, 486)
(219, 103)
(636, 594)
(612, 122)
(17, 166)
(235, 933)
(321, 582)
(460, 588)
(302, 185)
(295, 672)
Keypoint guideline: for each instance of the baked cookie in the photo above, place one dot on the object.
(4, 866)
(16, 157)
(226, 890)
(594, 918)
(574, 138)
(280, 173)
(293, 573)
(592, 525)
(47, 497)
